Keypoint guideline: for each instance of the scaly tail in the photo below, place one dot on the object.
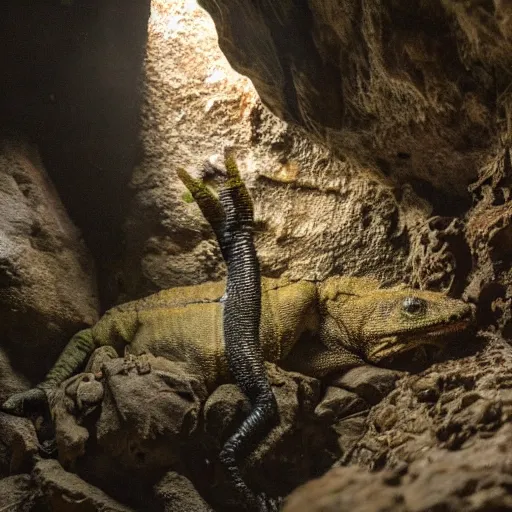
(242, 309)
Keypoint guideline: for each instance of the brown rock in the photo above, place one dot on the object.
(292, 451)
(19, 494)
(347, 489)
(194, 105)
(67, 492)
(177, 494)
(378, 81)
(18, 444)
(338, 403)
(72, 82)
(48, 289)
(369, 382)
(475, 480)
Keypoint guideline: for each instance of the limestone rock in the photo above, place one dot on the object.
(19, 494)
(450, 406)
(347, 489)
(274, 467)
(66, 492)
(72, 81)
(437, 442)
(46, 273)
(18, 444)
(142, 398)
(133, 419)
(413, 103)
(316, 214)
(11, 381)
(177, 494)
(403, 87)
(488, 235)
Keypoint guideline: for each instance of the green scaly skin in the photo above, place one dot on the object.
(352, 327)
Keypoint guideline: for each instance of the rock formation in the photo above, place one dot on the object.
(389, 156)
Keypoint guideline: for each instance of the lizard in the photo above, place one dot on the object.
(317, 328)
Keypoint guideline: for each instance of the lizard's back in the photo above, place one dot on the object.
(185, 324)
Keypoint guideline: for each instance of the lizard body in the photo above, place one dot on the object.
(350, 321)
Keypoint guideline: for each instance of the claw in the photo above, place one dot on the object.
(234, 178)
(205, 199)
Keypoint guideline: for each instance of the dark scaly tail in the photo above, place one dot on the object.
(242, 309)
(241, 318)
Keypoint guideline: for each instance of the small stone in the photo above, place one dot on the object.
(386, 418)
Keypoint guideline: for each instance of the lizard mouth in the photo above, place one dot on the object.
(431, 339)
(414, 359)
(448, 328)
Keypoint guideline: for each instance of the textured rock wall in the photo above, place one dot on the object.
(439, 441)
(71, 83)
(416, 96)
(47, 278)
(316, 214)
(415, 89)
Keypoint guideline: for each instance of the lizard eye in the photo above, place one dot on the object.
(414, 306)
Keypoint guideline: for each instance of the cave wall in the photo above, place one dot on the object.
(418, 93)
(48, 285)
(71, 84)
(316, 214)
(418, 89)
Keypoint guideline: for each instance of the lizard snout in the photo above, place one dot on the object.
(466, 314)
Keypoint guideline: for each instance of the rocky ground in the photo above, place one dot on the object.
(396, 164)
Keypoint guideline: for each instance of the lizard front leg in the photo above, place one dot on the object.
(74, 356)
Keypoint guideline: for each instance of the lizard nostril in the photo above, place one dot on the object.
(458, 316)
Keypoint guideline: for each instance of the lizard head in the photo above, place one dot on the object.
(381, 323)
(400, 320)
